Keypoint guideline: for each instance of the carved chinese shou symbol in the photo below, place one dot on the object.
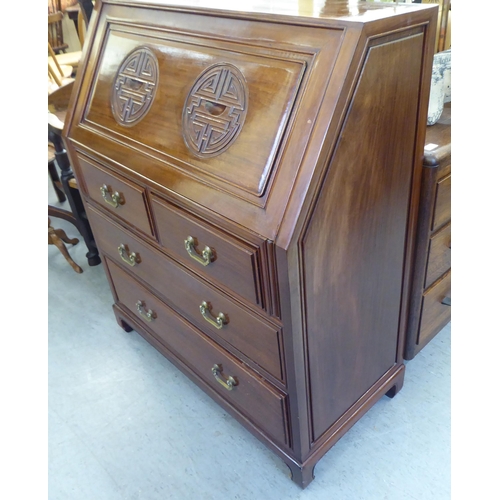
(134, 86)
(215, 110)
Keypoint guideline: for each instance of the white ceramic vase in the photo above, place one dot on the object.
(440, 85)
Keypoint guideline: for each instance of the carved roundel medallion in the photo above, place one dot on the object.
(215, 110)
(134, 86)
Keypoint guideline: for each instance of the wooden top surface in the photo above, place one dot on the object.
(299, 74)
(323, 10)
(440, 135)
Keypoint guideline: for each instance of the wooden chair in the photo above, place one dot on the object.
(58, 60)
(58, 238)
(55, 31)
(59, 74)
(58, 103)
(80, 14)
(53, 175)
(57, 106)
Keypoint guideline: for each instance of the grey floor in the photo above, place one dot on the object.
(125, 424)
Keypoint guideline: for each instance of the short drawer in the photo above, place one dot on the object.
(436, 309)
(229, 261)
(442, 208)
(117, 195)
(439, 260)
(258, 400)
(252, 336)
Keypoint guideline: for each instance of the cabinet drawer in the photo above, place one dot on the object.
(442, 209)
(258, 400)
(249, 334)
(439, 260)
(435, 314)
(233, 263)
(117, 195)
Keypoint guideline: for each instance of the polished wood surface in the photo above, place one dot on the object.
(442, 209)
(435, 308)
(356, 348)
(234, 262)
(260, 401)
(251, 335)
(439, 255)
(100, 186)
(431, 280)
(284, 143)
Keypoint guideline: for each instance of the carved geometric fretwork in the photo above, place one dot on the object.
(215, 110)
(134, 86)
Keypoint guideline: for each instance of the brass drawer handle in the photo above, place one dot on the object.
(149, 315)
(206, 256)
(131, 259)
(228, 383)
(114, 199)
(218, 322)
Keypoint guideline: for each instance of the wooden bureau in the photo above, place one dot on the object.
(430, 305)
(252, 180)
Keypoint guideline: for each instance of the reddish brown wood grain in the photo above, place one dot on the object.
(131, 205)
(439, 255)
(354, 246)
(264, 404)
(310, 210)
(432, 259)
(251, 335)
(234, 262)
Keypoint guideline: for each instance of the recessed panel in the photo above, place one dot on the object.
(217, 112)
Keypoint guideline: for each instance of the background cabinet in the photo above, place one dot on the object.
(430, 307)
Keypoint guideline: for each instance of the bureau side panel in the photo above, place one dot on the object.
(352, 253)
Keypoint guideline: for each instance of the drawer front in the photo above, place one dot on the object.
(262, 403)
(116, 195)
(439, 261)
(442, 209)
(435, 314)
(233, 263)
(252, 336)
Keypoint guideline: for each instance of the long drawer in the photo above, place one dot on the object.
(251, 335)
(436, 309)
(442, 209)
(258, 400)
(439, 258)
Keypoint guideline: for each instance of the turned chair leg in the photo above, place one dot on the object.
(56, 182)
(58, 237)
(74, 197)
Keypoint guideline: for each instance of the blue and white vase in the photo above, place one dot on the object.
(440, 85)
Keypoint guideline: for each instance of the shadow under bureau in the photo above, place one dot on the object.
(252, 181)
